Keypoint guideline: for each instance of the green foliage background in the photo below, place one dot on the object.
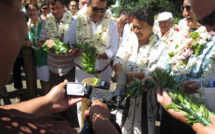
(156, 6)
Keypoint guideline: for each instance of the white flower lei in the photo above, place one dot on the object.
(180, 49)
(144, 52)
(35, 34)
(54, 32)
(100, 38)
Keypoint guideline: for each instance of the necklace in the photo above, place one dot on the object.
(143, 54)
(33, 33)
(57, 32)
(191, 43)
(100, 37)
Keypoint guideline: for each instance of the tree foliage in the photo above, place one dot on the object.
(156, 6)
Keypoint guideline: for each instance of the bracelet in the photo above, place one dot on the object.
(133, 75)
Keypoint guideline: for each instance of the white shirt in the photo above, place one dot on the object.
(112, 45)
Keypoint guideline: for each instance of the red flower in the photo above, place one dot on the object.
(177, 29)
(86, 38)
(103, 45)
(105, 30)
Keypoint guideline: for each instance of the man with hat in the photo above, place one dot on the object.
(165, 21)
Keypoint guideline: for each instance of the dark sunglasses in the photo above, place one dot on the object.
(45, 8)
(96, 9)
(209, 20)
(188, 8)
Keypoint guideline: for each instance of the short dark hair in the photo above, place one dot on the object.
(125, 12)
(43, 3)
(100, 0)
(27, 6)
(143, 14)
(54, 1)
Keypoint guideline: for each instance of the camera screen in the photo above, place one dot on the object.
(76, 89)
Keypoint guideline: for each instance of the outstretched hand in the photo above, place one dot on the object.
(58, 100)
(164, 99)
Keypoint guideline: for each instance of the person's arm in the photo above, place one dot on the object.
(200, 129)
(111, 51)
(100, 118)
(54, 101)
(70, 38)
(164, 99)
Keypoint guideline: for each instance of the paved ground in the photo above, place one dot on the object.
(12, 93)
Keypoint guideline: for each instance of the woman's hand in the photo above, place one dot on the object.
(58, 100)
(50, 43)
(164, 99)
(143, 81)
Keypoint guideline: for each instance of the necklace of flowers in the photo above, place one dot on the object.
(100, 37)
(54, 32)
(181, 49)
(144, 51)
(35, 39)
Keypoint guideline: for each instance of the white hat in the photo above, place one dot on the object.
(164, 16)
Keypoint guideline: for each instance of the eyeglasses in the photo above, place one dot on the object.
(209, 20)
(96, 9)
(136, 27)
(45, 8)
(188, 8)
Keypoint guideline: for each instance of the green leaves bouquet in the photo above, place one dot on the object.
(58, 47)
(192, 107)
(88, 55)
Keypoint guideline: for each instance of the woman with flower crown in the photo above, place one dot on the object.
(137, 55)
(189, 57)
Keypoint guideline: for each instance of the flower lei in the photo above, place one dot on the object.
(180, 49)
(35, 39)
(100, 38)
(144, 51)
(54, 32)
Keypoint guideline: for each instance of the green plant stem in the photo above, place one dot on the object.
(189, 110)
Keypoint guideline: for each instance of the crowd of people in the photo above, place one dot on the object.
(134, 43)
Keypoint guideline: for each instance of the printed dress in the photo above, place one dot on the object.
(143, 61)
